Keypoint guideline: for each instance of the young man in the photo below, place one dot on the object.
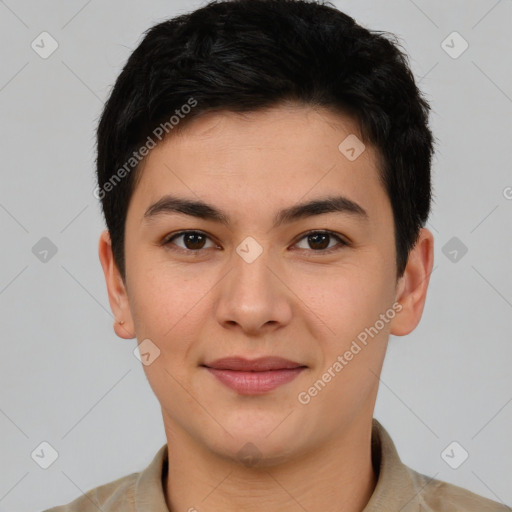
(264, 171)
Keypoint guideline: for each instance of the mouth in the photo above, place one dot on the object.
(256, 376)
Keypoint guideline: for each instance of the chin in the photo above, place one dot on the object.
(256, 454)
(264, 444)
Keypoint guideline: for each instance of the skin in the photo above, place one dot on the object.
(293, 301)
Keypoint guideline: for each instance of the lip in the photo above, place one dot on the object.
(254, 376)
(261, 364)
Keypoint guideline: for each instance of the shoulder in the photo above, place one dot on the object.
(141, 490)
(402, 488)
(110, 497)
(438, 496)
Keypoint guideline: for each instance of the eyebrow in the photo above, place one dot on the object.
(169, 204)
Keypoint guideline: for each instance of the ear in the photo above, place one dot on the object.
(412, 286)
(116, 287)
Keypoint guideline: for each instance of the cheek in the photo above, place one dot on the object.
(168, 306)
(167, 310)
(348, 300)
(353, 308)
(151, 294)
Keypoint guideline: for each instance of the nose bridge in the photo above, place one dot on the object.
(250, 278)
(251, 295)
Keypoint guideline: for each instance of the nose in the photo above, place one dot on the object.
(253, 296)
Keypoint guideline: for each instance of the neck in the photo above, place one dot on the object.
(332, 477)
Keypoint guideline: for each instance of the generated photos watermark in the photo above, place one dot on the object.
(304, 397)
(159, 133)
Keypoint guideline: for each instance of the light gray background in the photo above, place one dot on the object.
(65, 378)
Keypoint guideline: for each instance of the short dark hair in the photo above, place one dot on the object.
(249, 55)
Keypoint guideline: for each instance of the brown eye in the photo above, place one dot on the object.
(319, 241)
(191, 240)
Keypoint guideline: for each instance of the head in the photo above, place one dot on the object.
(269, 122)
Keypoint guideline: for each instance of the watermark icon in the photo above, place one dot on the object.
(44, 45)
(146, 352)
(137, 156)
(44, 250)
(507, 192)
(249, 455)
(454, 455)
(454, 249)
(304, 397)
(454, 45)
(44, 455)
(351, 147)
(249, 250)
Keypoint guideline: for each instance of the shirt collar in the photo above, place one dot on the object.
(397, 488)
(149, 486)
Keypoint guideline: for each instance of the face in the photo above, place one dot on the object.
(258, 274)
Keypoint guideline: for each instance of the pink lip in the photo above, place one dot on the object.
(254, 377)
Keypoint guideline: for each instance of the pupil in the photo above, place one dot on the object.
(321, 238)
(191, 244)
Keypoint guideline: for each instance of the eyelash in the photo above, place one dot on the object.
(341, 242)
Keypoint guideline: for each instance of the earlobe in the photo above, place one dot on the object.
(412, 286)
(117, 295)
(121, 330)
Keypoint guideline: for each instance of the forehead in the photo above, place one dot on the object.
(275, 156)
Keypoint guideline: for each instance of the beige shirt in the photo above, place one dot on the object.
(398, 489)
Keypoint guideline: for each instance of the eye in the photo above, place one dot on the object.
(319, 241)
(193, 241)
